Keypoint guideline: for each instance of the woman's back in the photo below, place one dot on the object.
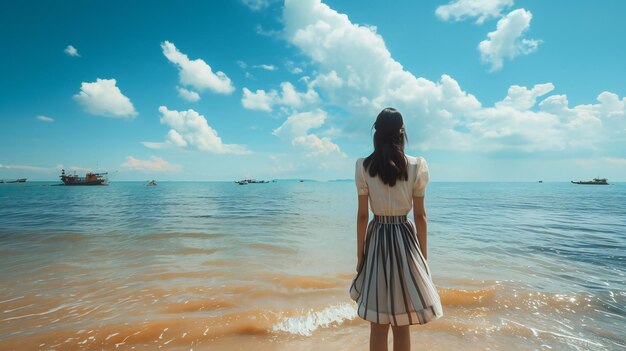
(398, 199)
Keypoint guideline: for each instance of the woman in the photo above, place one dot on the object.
(393, 284)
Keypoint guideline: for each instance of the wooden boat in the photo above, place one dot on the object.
(90, 178)
(595, 181)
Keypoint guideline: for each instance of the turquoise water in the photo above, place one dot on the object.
(534, 265)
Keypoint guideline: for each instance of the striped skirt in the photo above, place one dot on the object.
(393, 285)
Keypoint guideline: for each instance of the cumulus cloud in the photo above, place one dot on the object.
(153, 164)
(522, 98)
(45, 118)
(189, 128)
(104, 98)
(459, 10)
(317, 146)
(506, 41)
(71, 51)
(188, 95)
(259, 100)
(288, 96)
(299, 124)
(296, 128)
(197, 73)
(356, 73)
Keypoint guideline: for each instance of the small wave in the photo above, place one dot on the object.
(293, 282)
(306, 324)
(180, 235)
(198, 306)
(273, 248)
(196, 251)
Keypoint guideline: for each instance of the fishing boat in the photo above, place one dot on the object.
(251, 181)
(152, 183)
(595, 181)
(90, 178)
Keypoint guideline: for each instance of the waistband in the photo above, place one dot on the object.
(390, 219)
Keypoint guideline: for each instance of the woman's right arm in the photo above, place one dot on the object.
(421, 223)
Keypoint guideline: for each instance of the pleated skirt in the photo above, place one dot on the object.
(393, 285)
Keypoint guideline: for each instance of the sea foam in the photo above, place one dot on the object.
(306, 324)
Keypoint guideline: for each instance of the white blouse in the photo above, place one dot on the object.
(397, 200)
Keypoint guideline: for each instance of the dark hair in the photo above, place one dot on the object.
(388, 161)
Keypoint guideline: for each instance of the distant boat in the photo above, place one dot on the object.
(541, 181)
(595, 181)
(251, 181)
(90, 178)
(152, 183)
(18, 180)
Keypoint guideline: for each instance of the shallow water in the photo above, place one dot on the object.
(210, 265)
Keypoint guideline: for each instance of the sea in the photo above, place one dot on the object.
(221, 266)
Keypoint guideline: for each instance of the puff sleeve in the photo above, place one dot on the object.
(359, 178)
(421, 180)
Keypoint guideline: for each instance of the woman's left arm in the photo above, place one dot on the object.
(361, 227)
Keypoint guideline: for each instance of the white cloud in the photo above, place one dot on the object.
(188, 95)
(266, 67)
(256, 5)
(197, 73)
(45, 118)
(175, 138)
(153, 164)
(104, 98)
(259, 100)
(156, 145)
(71, 51)
(356, 73)
(189, 128)
(317, 146)
(521, 98)
(288, 96)
(506, 41)
(459, 10)
(296, 128)
(292, 68)
(292, 98)
(299, 124)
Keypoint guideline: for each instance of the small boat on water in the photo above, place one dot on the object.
(251, 181)
(90, 178)
(595, 181)
(18, 180)
(152, 183)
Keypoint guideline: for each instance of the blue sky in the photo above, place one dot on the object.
(490, 90)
